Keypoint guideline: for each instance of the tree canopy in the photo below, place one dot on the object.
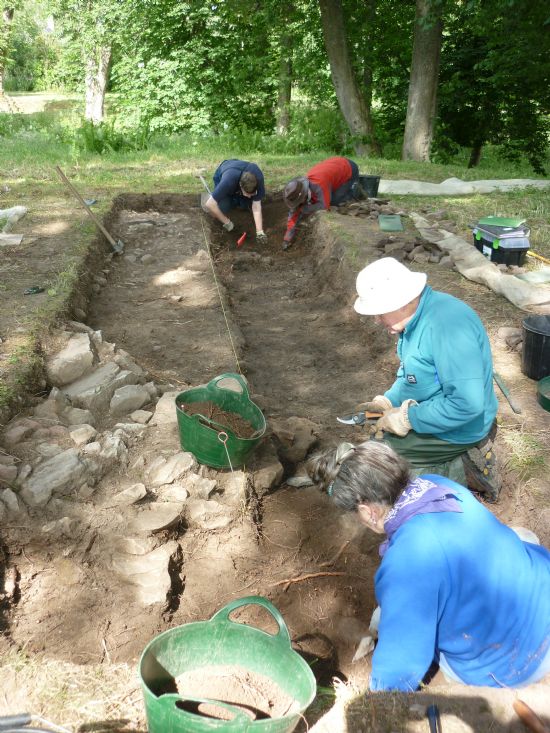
(336, 73)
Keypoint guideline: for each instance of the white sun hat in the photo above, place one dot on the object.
(385, 286)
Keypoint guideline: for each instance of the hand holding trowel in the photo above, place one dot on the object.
(359, 418)
(367, 411)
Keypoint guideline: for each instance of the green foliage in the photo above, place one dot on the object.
(106, 137)
(197, 67)
(65, 74)
(494, 79)
(26, 127)
(29, 49)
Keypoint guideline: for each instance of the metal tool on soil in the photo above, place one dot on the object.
(204, 196)
(20, 724)
(434, 719)
(201, 177)
(118, 246)
(498, 379)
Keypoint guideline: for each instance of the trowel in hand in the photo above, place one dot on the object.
(359, 418)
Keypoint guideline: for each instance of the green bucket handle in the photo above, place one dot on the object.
(223, 615)
(213, 384)
(239, 722)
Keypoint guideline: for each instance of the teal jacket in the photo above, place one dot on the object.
(446, 366)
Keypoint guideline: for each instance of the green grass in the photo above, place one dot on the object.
(527, 454)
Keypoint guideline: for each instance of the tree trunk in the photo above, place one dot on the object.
(368, 44)
(351, 101)
(285, 85)
(475, 155)
(97, 77)
(7, 18)
(421, 106)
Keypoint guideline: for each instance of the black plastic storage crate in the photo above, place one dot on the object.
(506, 245)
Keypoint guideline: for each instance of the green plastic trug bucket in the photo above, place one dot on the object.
(211, 443)
(224, 642)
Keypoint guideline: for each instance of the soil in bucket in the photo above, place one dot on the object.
(256, 695)
(237, 424)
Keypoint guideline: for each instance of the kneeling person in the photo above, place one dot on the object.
(440, 411)
(455, 586)
(329, 183)
(237, 184)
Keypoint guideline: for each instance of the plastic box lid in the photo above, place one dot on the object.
(502, 232)
(499, 221)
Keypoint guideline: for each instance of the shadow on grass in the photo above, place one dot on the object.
(408, 712)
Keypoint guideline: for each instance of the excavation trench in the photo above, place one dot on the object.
(188, 304)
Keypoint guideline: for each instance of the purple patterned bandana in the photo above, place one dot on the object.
(421, 496)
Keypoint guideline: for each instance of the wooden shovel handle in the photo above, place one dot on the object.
(529, 719)
(90, 213)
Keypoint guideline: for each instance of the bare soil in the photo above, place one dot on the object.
(214, 414)
(255, 694)
(187, 304)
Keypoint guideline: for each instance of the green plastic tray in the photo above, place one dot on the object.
(390, 223)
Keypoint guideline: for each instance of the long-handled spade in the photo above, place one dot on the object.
(118, 246)
(204, 197)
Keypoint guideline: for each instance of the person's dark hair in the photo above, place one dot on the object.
(248, 182)
(370, 473)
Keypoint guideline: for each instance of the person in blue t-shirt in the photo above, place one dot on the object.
(455, 586)
(440, 412)
(237, 184)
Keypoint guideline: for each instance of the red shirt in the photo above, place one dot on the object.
(324, 178)
(330, 174)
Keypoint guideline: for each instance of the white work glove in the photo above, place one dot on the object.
(229, 226)
(261, 237)
(377, 404)
(368, 642)
(396, 420)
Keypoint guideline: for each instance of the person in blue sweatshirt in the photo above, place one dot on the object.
(454, 586)
(238, 184)
(440, 411)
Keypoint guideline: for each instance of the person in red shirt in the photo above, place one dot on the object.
(329, 183)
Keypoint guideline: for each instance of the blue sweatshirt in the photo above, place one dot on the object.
(446, 366)
(464, 585)
(227, 179)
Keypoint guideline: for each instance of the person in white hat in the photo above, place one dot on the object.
(442, 405)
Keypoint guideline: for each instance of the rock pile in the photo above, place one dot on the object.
(416, 250)
(100, 457)
(368, 209)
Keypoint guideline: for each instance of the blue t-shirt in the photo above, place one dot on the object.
(463, 584)
(228, 175)
(447, 367)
